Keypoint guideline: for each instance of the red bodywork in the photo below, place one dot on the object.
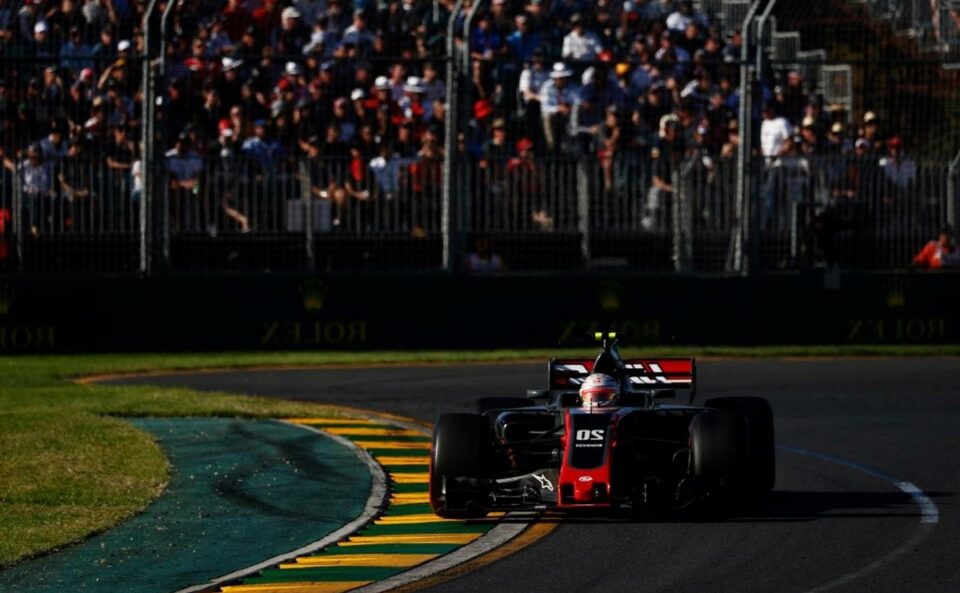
(589, 487)
(650, 372)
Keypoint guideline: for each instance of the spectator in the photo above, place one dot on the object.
(36, 189)
(939, 253)
(899, 170)
(525, 178)
(76, 179)
(292, 36)
(557, 97)
(74, 53)
(183, 170)
(486, 43)
(426, 176)
(386, 168)
(434, 88)
(666, 158)
(322, 40)
(580, 45)
(483, 259)
(776, 136)
(121, 153)
(523, 42)
(54, 146)
(870, 131)
(532, 79)
(898, 208)
(680, 20)
(42, 46)
(263, 151)
(358, 34)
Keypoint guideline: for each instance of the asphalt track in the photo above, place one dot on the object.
(833, 523)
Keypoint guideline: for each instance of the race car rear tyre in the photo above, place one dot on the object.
(458, 451)
(485, 404)
(718, 444)
(760, 473)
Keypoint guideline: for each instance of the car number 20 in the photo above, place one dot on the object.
(590, 435)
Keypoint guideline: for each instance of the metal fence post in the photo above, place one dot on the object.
(146, 142)
(18, 229)
(682, 235)
(448, 215)
(307, 200)
(583, 208)
(744, 231)
(952, 181)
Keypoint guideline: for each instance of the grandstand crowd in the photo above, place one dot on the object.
(251, 87)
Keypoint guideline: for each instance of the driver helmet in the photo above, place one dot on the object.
(598, 390)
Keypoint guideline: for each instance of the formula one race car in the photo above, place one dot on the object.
(600, 438)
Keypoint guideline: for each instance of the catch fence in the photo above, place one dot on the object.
(154, 159)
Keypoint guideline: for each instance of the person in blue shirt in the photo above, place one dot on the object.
(523, 42)
(264, 151)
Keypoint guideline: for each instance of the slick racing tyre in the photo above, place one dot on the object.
(718, 444)
(458, 452)
(486, 404)
(760, 473)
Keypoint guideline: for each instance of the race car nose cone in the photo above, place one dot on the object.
(584, 489)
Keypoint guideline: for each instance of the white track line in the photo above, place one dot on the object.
(375, 503)
(928, 510)
(929, 516)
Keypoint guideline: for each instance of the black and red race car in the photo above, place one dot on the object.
(547, 451)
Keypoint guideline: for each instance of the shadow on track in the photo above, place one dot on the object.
(781, 506)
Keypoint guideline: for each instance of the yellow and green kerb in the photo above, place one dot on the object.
(405, 535)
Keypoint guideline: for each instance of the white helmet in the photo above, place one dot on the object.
(598, 390)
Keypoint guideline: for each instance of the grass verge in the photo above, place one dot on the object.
(69, 468)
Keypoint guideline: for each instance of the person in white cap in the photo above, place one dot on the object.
(557, 97)
(41, 39)
(382, 94)
(292, 69)
(292, 36)
(228, 64)
(412, 103)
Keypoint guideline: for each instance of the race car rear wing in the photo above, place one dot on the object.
(644, 373)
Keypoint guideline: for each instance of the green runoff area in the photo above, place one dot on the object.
(241, 490)
(72, 466)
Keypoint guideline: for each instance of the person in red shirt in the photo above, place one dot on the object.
(938, 253)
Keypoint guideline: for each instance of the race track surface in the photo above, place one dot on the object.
(828, 526)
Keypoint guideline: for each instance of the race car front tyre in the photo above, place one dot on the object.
(718, 444)
(760, 473)
(458, 455)
(486, 404)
